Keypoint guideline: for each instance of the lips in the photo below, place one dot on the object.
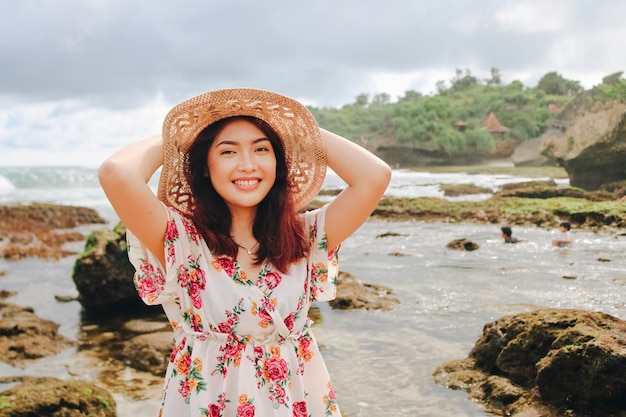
(246, 183)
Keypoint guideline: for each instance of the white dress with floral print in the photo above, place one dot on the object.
(240, 349)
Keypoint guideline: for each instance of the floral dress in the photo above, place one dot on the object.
(240, 349)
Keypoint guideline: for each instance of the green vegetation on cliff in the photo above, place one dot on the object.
(452, 121)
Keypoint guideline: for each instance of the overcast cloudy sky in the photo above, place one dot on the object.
(82, 78)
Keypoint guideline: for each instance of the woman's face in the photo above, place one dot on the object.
(242, 164)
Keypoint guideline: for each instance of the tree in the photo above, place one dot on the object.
(613, 79)
(441, 87)
(480, 139)
(381, 99)
(410, 95)
(462, 82)
(362, 100)
(496, 78)
(554, 83)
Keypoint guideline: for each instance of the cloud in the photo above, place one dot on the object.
(82, 72)
(534, 16)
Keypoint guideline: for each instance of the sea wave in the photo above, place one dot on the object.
(49, 177)
(68, 185)
(6, 186)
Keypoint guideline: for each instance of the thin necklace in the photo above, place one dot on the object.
(249, 251)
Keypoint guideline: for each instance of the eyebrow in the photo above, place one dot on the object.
(232, 142)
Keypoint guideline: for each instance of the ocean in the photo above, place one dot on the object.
(381, 362)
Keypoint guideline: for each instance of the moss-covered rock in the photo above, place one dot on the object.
(52, 397)
(35, 230)
(103, 273)
(562, 361)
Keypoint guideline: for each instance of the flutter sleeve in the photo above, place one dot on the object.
(323, 262)
(155, 283)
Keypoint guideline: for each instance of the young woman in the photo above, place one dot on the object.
(228, 251)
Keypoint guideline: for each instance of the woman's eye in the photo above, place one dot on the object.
(227, 152)
(262, 149)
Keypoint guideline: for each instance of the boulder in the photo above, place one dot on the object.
(103, 274)
(25, 337)
(592, 146)
(570, 362)
(34, 230)
(149, 352)
(353, 294)
(48, 396)
(463, 244)
(528, 154)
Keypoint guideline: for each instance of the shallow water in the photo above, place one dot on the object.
(382, 362)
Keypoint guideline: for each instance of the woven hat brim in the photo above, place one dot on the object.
(296, 127)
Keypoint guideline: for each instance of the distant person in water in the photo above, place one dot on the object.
(565, 237)
(507, 235)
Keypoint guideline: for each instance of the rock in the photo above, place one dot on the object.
(142, 326)
(541, 189)
(353, 294)
(528, 154)
(32, 230)
(562, 361)
(462, 244)
(149, 352)
(47, 396)
(26, 337)
(592, 147)
(103, 273)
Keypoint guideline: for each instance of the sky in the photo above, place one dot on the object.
(80, 79)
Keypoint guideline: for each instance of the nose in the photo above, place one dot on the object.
(246, 162)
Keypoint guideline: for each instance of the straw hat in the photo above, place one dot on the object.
(293, 123)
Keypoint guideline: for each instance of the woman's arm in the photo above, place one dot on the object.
(367, 177)
(124, 178)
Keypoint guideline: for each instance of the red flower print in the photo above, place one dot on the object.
(299, 409)
(280, 395)
(214, 410)
(224, 328)
(171, 232)
(146, 286)
(183, 276)
(146, 268)
(196, 275)
(289, 321)
(170, 253)
(272, 280)
(227, 265)
(196, 322)
(190, 229)
(184, 389)
(264, 315)
(245, 410)
(275, 369)
(232, 348)
(268, 304)
(305, 343)
(194, 294)
(258, 351)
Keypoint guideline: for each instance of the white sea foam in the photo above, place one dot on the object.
(6, 186)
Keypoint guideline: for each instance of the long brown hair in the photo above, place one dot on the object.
(276, 227)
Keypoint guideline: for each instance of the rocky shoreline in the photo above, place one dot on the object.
(144, 342)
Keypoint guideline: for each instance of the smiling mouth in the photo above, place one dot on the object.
(246, 183)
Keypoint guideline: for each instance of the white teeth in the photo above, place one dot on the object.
(246, 183)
